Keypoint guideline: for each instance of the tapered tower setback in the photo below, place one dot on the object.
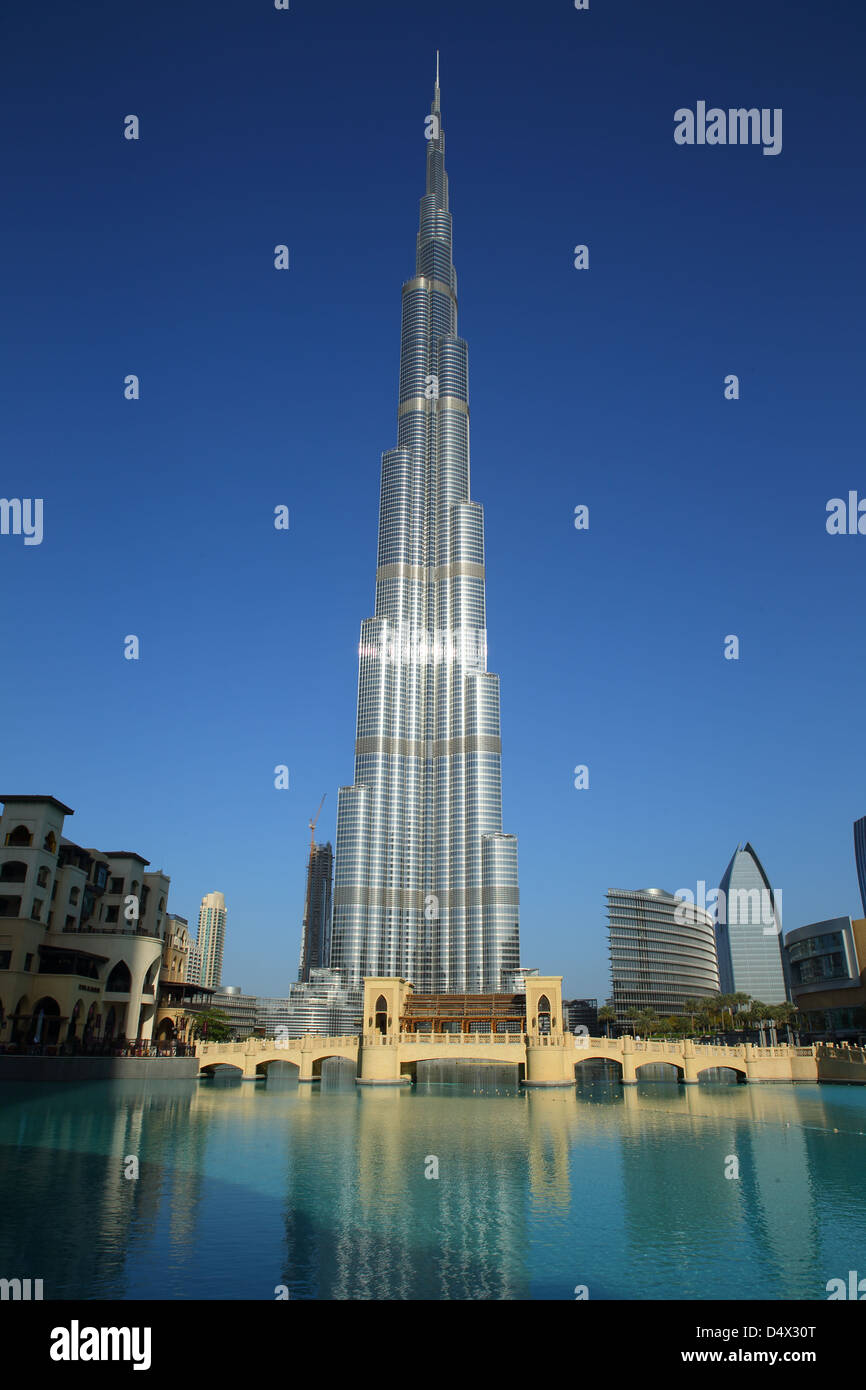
(425, 880)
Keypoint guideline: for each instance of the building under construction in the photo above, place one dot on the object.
(316, 936)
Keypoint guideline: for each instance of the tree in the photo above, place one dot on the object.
(708, 1015)
(691, 1007)
(646, 1021)
(758, 1013)
(607, 1016)
(788, 1015)
(212, 1025)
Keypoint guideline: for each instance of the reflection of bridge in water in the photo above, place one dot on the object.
(553, 1059)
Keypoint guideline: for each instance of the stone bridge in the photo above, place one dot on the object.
(552, 1059)
(254, 1057)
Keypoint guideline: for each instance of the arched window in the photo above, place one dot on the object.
(20, 1019)
(19, 836)
(74, 1021)
(43, 876)
(91, 1024)
(13, 871)
(382, 1014)
(120, 980)
(44, 1022)
(543, 1010)
(150, 977)
(49, 842)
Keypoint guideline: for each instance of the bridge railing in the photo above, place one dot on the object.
(441, 1039)
(252, 1046)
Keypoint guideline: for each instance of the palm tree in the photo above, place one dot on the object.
(722, 1004)
(691, 1007)
(707, 1015)
(758, 1012)
(607, 1016)
(646, 1020)
(787, 1014)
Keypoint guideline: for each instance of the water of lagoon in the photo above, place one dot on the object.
(244, 1187)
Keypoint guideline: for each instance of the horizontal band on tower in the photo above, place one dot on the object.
(429, 748)
(419, 899)
(416, 403)
(424, 282)
(465, 569)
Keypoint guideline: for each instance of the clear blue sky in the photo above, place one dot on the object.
(605, 387)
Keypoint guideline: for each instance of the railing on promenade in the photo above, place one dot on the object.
(128, 1049)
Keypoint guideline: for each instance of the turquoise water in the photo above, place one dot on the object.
(322, 1188)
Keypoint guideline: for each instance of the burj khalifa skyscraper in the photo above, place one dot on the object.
(425, 879)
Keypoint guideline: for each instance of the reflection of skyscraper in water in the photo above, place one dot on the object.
(777, 1191)
(665, 1190)
(677, 1197)
(83, 1148)
(388, 1232)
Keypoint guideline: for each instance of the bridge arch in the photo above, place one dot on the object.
(330, 1057)
(737, 1067)
(264, 1064)
(678, 1068)
(596, 1056)
(210, 1069)
(409, 1065)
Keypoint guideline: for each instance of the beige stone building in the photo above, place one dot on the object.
(81, 934)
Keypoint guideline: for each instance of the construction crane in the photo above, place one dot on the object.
(306, 926)
(313, 825)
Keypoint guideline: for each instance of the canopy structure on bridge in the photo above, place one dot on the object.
(464, 1013)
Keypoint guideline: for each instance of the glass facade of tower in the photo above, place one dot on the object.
(662, 952)
(425, 880)
(860, 857)
(749, 931)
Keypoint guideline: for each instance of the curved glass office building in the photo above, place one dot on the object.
(425, 880)
(662, 951)
(860, 857)
(749, 931)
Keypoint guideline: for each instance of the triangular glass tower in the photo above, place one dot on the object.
(425, 880)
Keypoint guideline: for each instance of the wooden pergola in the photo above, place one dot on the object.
(439, 1013)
